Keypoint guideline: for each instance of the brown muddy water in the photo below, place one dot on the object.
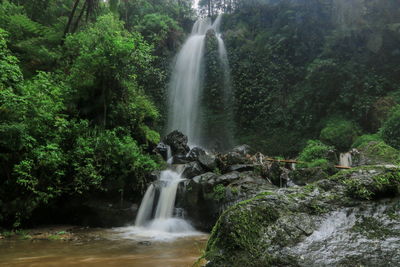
(128, 246)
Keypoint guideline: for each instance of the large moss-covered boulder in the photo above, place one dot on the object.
(206, 196)
(332, 222)
(375, 152)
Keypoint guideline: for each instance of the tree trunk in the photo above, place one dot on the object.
(79, 18)
(71, 17)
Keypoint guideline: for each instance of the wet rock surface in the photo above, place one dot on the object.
(349, 219)
(178, 143)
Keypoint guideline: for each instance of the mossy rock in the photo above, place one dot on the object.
(373, 182)
(377, 152)
(269, 229)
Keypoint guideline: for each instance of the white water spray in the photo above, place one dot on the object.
(185, 90)
(345, 159)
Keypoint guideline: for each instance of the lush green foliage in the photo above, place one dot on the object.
(339, 133)
(365, 139)
(391, 130)
(296, 64)
(315, 154)
(81, 121)
(379, 151)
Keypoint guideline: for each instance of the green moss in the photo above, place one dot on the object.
(241, 235)
(372, 228)
(217, 171)
(381, 152)
(315, 154)
(219, 192)
(393, 211)
(365, 139)
(235, 190)
(385, 183)
(317, 208)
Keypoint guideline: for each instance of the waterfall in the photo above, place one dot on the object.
(185, 94)
(227, 93)
(166, 202)
(185, 88)
(345, 159)
(163, 219)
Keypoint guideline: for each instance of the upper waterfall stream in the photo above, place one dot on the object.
(186, 85)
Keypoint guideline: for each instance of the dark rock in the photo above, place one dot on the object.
(178, 143)
(194, 153)
(154, 176)
(307, 175)
(227, 178)
(180, 159)
(241, 167)
(206, 178)
(234, 158)
(208, 161)
(162, 149)
(207, 195)
(100, 213)
(191, 170)
(242, 150)
(274, 174)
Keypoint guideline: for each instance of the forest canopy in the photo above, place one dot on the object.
(83, 87)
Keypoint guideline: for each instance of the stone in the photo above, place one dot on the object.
(162, 149)
(180, 159)
(194, 153)
(154, 176)
(207, 161)
(242, 150)
(178, 143)
(191, 170)
(348, 219)
(227, 178)
(241, 167)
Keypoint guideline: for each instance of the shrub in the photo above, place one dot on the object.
(339, 133)
(365, 139)
(390, 130)
(314, 154)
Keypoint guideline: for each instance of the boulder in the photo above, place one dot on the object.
(154, 176)
(349, 219)
(178, 143)
(373, 153)
(207, 195)
(162, 149)
(227, 178)
(180, 159)
(208, 161)
(194, 153)
(242, 150)
(241, 167)
(191, 170)
(306, 176)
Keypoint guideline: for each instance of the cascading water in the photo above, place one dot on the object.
(160, 217)
(345, 159)
(185, 90)
(156, 212)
